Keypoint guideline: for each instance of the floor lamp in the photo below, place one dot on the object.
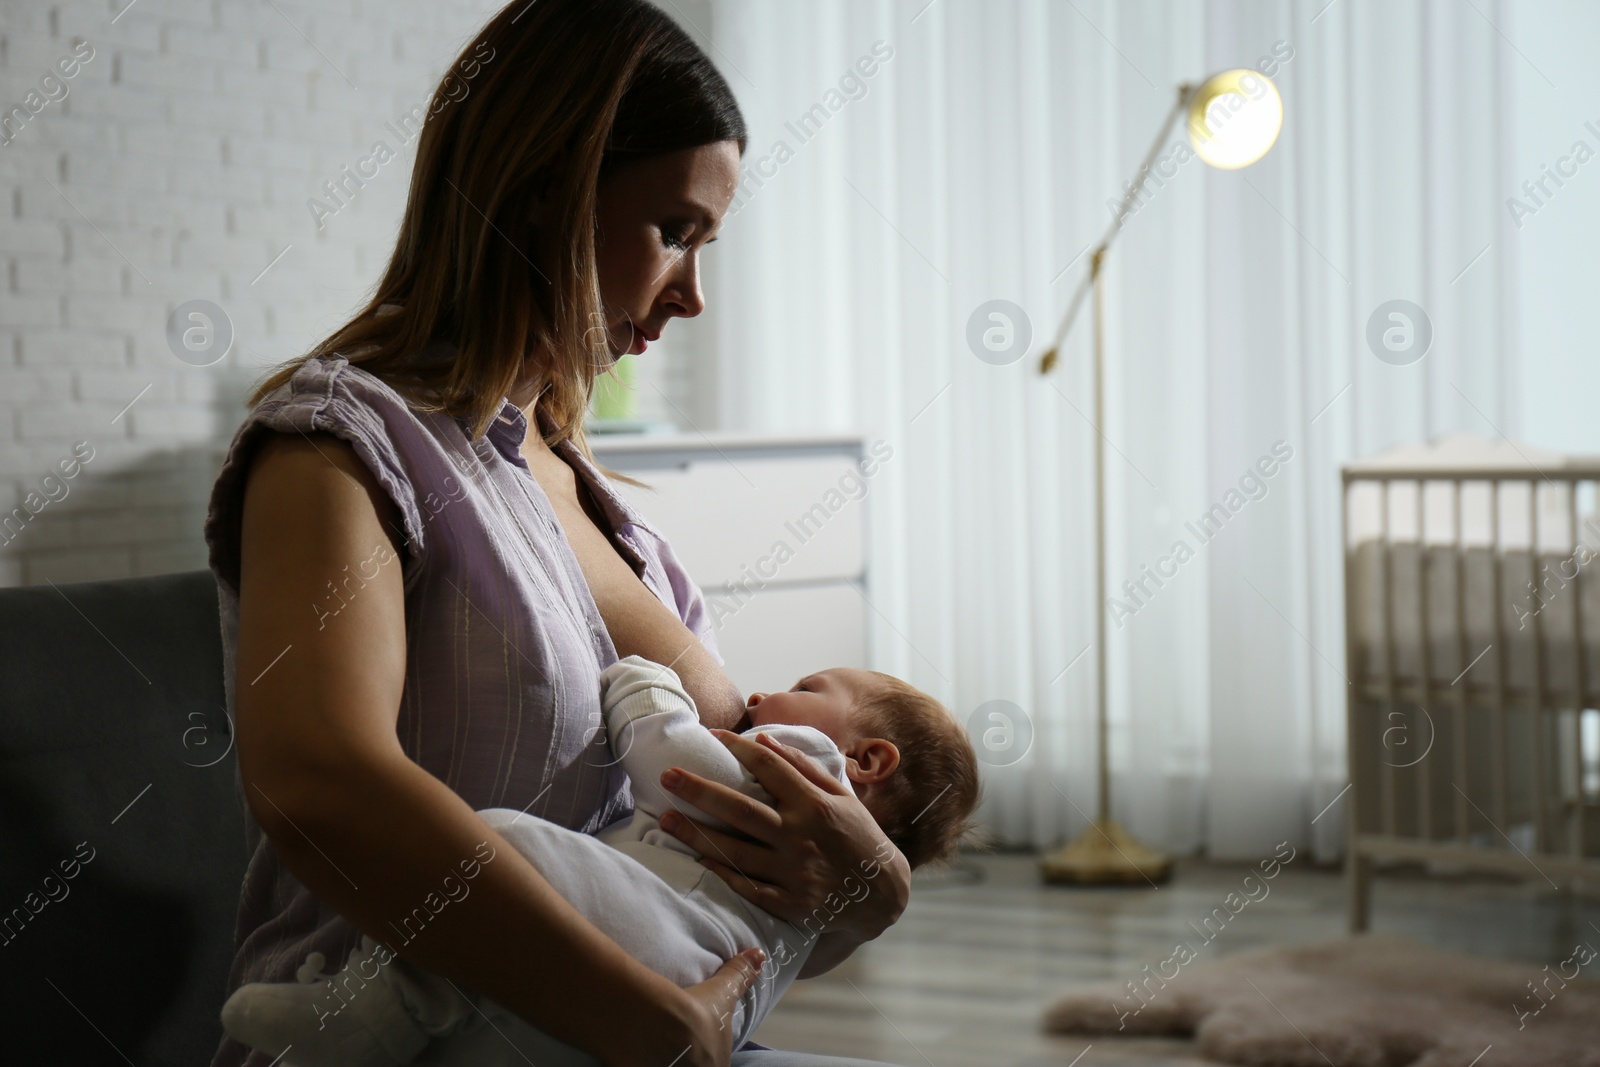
(1234, 118)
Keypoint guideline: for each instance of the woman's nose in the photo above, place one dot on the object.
(686, 298)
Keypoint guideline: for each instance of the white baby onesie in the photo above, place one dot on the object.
(638, 884)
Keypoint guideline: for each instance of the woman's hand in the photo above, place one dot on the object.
(715, 1000)
(816, 858)
(696, 1030)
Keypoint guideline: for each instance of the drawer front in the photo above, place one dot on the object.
(749, 522)
(778, 636)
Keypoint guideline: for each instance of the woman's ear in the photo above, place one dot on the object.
(871, 760)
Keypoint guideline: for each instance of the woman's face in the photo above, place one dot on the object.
(654, 216)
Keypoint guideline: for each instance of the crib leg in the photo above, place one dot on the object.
(1358, 888)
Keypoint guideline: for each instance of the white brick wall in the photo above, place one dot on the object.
(175, 168)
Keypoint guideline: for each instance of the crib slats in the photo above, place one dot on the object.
(1540, 838)
(1459, 749)
(1425, 693)
(1584, 801)
(1580, 666)
(1492, 783)
(1386, 774)
(1498, 774)
(1357, 866)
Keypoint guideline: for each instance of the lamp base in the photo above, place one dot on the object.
(1106, 854)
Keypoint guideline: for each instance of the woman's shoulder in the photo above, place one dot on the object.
(326, 395)
(329, 386)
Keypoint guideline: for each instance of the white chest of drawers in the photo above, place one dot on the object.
(773, 530)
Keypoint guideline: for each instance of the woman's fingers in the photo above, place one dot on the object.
(749, 858)
(790, 863)
(766, 897)
(736, 977)
(720, 994)
(778, 774)
(745, 814)
(802, 763)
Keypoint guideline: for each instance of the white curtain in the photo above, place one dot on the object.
(975, 163)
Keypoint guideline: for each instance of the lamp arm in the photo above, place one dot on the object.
(1185, 94)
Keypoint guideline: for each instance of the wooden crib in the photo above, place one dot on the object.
(1473, 650)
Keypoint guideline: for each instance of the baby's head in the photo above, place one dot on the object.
(907, 757)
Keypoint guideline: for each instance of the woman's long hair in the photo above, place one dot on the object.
(560, 93)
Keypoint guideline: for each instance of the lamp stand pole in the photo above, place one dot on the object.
(1105, 853)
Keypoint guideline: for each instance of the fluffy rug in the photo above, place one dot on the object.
(1370, 1001)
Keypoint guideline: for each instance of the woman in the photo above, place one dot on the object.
(467, 579)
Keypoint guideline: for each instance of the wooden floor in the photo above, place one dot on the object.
(963, 979)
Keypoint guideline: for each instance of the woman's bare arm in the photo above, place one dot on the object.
(369, 831)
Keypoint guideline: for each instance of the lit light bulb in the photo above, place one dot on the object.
(1234, 118)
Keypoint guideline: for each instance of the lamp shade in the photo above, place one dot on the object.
(1234, 118)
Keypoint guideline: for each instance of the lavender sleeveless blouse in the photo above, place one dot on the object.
(504, 642)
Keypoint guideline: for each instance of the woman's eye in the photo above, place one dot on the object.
(679, 239)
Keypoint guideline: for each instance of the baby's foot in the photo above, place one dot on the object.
(358, 1022)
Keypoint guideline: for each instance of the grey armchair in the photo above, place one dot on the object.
(122, 842)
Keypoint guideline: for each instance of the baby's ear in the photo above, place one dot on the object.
(872, 759)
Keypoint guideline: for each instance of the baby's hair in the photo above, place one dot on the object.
(930, 800)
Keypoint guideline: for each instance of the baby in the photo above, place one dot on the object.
(897, 749)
